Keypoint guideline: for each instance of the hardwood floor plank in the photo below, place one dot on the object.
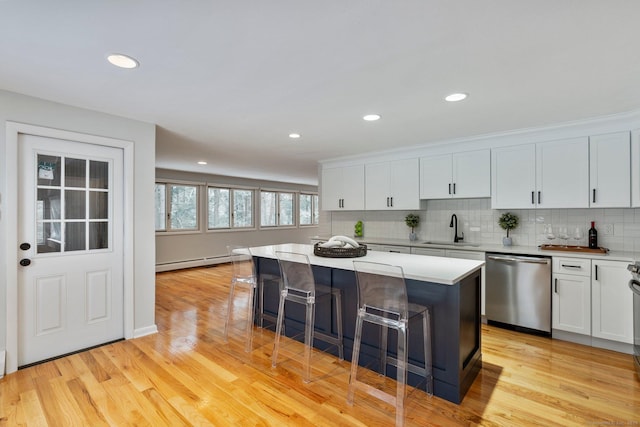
(187, 375)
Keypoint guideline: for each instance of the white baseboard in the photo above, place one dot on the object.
(148, 330)
(3, 354)
(169, 266)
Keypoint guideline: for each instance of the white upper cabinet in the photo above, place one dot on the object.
(392, 185)
(513, 177)
(610, 170)
(562, 174)
(459, 175)
(343, 188)
(546, 175)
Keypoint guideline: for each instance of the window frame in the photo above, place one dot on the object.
(294, 202)
(167, 206)
(232, 213)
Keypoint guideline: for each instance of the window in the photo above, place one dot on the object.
(308, 204)
(277, 209)
(230, 208)
(176, 207)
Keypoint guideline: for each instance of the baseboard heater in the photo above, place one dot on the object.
(198, 262)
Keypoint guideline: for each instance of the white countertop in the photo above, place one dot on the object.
(482, 247)
(446, 271)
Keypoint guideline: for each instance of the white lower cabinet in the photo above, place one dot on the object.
(611, 301)
(571, 296)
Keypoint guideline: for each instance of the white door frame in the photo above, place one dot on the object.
(13, 129)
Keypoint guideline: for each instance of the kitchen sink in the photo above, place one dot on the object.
(430, 242)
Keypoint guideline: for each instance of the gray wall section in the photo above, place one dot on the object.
(38, 112)
(178, 247)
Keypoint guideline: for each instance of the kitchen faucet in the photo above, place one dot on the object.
(454, 223)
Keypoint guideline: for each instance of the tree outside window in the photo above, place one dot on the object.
(181, 203)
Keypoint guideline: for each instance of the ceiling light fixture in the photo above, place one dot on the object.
(122, 61)
(202, 162)
(371, 117)
(294, 135)
(454, 97)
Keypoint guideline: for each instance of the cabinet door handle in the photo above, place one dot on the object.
(594, 195)
(596, 271)
(533, 202)
(556, 286)
(454, 188)
(449, 188)
(570, 266)
(539, 196)
(391, 201)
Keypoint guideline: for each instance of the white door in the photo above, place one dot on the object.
(70, 278)
(435, 177)
(513, 177)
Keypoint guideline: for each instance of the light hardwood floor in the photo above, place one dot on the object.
(187, 375)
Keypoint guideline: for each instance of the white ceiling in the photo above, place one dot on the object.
(227, 81)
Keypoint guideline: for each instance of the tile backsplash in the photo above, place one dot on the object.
(479, 223)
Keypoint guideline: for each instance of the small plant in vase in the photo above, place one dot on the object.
(508, 221)
(412, 220)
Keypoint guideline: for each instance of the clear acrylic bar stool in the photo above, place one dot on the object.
(298, 285)
(244, 275)
(382, 300)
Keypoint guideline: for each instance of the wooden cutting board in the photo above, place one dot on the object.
(564, 248)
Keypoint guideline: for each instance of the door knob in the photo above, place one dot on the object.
(25, 262)
(25, 246)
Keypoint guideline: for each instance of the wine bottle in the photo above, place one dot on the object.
(593, 236)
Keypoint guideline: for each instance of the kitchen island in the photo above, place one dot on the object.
(449, 287)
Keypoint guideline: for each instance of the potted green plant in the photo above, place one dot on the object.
(412, 220)
(508, 221)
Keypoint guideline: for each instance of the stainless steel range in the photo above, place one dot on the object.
(634, 284)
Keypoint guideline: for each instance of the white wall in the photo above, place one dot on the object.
(33, 111)
(176, 250)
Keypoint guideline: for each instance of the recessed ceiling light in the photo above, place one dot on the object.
(202, 162)
(122, 61)
(294, 135)
(372, 117)
(456, 97)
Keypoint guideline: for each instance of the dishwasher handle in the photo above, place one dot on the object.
(635, 286)
(517, 259)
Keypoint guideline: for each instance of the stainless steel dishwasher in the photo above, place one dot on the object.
(518, 291)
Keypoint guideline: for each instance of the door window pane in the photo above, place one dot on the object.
(99, 235)
(267, 209)
(98, 174)
(219, 215)
(48, 204)
(98, 205)
(75, 172)
(242, 208)
(49, 170)
(75, 204)
(74, 236)
(49, 240)
(285, 204)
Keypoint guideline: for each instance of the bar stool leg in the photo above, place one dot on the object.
(276, 344)
(402, 376)
(308, 340)
(428, 357)
(354, 360)
(229, 310)
(338, 297)
(250, 313)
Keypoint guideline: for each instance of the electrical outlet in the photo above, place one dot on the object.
(607, 229)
